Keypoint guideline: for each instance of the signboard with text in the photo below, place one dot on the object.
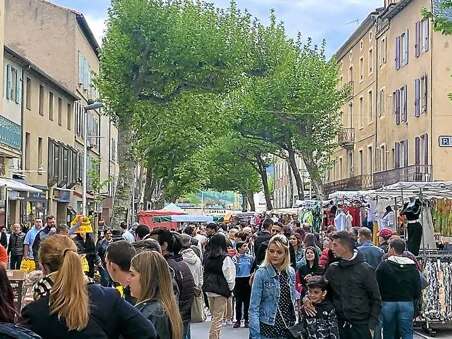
(445, 141)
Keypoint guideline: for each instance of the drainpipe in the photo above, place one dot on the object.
(376, 96)
(431, 96)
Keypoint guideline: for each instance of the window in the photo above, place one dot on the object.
(28, 95)
(361, 162)
(370, 36)
(361, 44)
(51, 106)
(361, 112)
(79, 119)
(340, 169)
(370, 165)
(361, 69)
(350, 112)
(371, 113)
(383, 158)
(27, 151)
(13, 84)
(423, 94)
(403, 104)
(371, 61)
(60, 110)
(41, 100)
(383, 51)
(40, 165)
(422, 43)
(401, 154)
(402, 47)
(69, 116)
(381, 103)
(350, 164)
(396, 105)
(350, 74)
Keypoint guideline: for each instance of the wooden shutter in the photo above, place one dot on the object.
(417, 97)
(397, 53)
(18, 97)
(407, 37)
(426, 34)
(404, 99)
(426, 149)
(397, 155)
(417, 151)
(424, 94)
(397, 108)
(9, 81)
(417, 44)
(405, 154)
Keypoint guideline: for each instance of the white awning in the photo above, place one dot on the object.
(14, 185)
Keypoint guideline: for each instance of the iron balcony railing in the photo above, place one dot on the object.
(412, 173)
(360, 182)
(346, 137)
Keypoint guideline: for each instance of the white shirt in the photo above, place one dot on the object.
(341, 222)
(388, 220)
(127, 235)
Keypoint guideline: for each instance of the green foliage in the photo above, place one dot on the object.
(441, 16)
(97, 185)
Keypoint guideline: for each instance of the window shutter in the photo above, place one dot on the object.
(407, 51)
(426, 41)
(426, 149)
(417, 46)
(417, 95)
(417, 149)
(397, 108)
(397, 155)
(405, 104)
(18, 88)
(9, 81)
(425, 94)
(405, 154)
(397, 53)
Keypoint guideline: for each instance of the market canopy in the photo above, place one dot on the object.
(185, 218)
(351, 195)
(430, 190)
(172, 207)
(18, 186)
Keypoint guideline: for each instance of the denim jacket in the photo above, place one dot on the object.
(243, 265)
(265, 297)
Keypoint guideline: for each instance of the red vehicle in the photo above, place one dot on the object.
(156, 219)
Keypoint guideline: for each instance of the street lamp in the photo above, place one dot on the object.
(90, 107)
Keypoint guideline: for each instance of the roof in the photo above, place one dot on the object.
(363, 28)
(81, 20)
(27, 63)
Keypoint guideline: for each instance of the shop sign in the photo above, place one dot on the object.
(445, 141)
(37, 196)
(61, 195)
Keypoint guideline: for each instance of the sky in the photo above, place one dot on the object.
(332, 20)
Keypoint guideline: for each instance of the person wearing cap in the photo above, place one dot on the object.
(383, 239)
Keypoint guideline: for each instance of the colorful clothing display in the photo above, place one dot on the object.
(442, 216)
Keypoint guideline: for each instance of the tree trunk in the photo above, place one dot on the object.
(250, 197)
(263, 173)
(290, 187)
(244, 203)
(315, 175)
(149, 188)
(126, 162)
(296, 173)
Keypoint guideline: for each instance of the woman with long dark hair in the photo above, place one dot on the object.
(219, 281)
(7, 311)
(308, 270)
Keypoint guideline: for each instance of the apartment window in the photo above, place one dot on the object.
(361, 162)
(40, 166)
(361, 44)
(13, 84)
(383, 51)
(350, 164)
(371, 60)
(401, 154)
(41, 100)
(381, 103)
(402, 48)
(340, 168)
(350, 73)
(370, 165)
(60, 110)
(383, 158)
(51, 106)
(361, 112)
(422, 42)
(420, 96)
(350, 112)
(403, 104)
(27, 151)
(361, 69)
(79, 119)
(371, 111)
(370, 36)
(69, 116)
(424, 149)
(28, 95)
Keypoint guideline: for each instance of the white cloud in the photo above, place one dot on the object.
(97, 25)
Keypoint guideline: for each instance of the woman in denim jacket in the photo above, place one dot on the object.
(272, 302)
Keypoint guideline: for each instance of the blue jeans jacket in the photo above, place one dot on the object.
(265, 297)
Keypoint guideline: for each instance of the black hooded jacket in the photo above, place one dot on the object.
(354, 290)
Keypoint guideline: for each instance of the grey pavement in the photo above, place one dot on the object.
(201, 331)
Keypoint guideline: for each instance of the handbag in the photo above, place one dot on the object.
(296, 331)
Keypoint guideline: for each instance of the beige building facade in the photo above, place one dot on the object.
(59, 41)
(397, 121)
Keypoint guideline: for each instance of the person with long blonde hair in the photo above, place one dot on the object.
(272, 303)
(72, 307)
(151, 285)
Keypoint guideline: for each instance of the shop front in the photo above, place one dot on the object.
(35, 205)
(62, 198)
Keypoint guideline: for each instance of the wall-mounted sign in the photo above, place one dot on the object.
(445, 141)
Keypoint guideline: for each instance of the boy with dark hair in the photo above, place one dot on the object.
(323, 325)
(141, 232)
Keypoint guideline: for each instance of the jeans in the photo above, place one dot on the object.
(15, 261)
(397, 317)
(187, 332)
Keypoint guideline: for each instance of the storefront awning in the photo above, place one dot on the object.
(15, 185)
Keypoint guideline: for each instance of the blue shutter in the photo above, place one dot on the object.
(9, 81)
(19, 87)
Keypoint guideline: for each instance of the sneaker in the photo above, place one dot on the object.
(236, 324)
(246, 324)
(229, 322)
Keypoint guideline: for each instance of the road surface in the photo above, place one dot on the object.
(201, 331)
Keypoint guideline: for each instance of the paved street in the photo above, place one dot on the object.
(201, 331)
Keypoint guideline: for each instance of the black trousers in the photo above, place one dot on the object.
(15, 262)
(242, 293)
(354, 330)
(414, 237)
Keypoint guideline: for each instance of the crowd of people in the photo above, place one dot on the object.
(280, 280)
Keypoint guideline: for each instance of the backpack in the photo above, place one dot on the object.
(12, 331)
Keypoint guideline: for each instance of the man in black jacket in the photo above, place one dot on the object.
(171, 246)
(262, 241)
(16, 247)
(354, 290)
(400, 285)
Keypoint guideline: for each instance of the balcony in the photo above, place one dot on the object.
(346, 138)
(357, 183)
(413, 173)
